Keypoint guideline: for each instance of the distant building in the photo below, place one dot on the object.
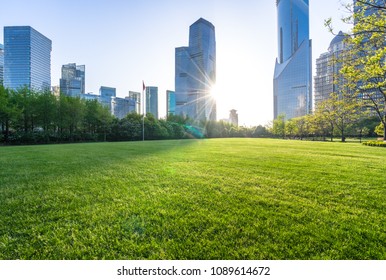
(55, 90)
(152, 101)
(182, 66)
(27, 58)
(234, 117)
(90, 96)
(292, 83)
(73, 78)
(327, 69)
(123, 106)
(170, 102)
(1, 64)
(107, 95)
(195, 73)
(136, 96)
(118, 107)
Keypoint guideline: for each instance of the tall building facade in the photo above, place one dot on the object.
(234, 117)
(118, 107)
(170, 102)
(1, 64)
(152, 101)
(195, 73)
(73, 79)
(326, 80)
(107, 95)
(136, 96)
(292, 83)
(27, 58)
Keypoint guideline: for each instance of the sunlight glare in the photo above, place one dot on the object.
(214, 92)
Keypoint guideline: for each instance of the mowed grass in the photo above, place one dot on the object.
(193, 199)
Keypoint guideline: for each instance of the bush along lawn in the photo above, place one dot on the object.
(375, 143)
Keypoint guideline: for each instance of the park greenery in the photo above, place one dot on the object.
(31, 117)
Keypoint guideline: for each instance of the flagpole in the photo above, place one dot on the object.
(143, 111)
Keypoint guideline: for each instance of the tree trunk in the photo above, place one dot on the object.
(6, 137)
(343, 138)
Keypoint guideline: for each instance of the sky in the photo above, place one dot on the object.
(125, 42)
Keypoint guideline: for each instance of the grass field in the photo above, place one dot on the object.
(193, 199)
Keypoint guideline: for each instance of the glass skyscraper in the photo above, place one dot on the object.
(292, 84)
(27, 58)
(107, 95)
(327, 79)
(73, 78)
(170, 102)
(136, 96)
(195, 73)
(152, 101)
(1, 64)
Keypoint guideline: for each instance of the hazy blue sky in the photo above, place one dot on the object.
(123, 42)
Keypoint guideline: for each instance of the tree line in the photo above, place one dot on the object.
(33, 117)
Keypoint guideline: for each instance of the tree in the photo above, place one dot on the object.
(260, 131)
(25, 100)
(8, 112)
(341, 111)
(364, 67)
(380, 129)
(278, 126)
(45, 106)
(290, 128)
(302, 125)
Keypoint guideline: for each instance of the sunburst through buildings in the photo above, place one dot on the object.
(195, 73)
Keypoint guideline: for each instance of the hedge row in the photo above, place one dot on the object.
(375, 143)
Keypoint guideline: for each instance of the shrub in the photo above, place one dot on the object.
(375, 143)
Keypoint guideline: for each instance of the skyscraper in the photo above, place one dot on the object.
(170, 102)
(72, 82)
(292, 83)
(107, 95)
(234, 117)
(27, 58)
(327, 69)
(136, 96)
(152, 101)
(195, 73)
(1, 64)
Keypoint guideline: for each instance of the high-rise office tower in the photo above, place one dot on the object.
(27, 58)
(292, 83)
(152, 101)
(170, 102)
(195, 73)
(136, 96)
(1, 64)
(234, 117)
(72, 82)
(182, 62)
(107, 95)
(327, 79)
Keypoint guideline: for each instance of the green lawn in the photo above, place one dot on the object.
(193, 199)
